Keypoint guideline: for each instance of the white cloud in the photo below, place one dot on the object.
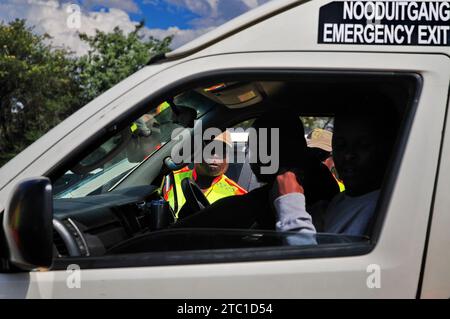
(215, 12)
(200, 7)
(212, 13)
(251, 3)
(125, 5)
(51, 16)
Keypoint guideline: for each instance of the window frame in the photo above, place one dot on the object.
(245, 254)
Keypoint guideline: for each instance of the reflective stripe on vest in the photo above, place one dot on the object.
(221, 187)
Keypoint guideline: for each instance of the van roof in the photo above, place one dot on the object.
(302, 25)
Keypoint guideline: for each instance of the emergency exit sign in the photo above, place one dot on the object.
(421, 23)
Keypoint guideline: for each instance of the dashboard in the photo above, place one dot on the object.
(121, 222)
(91, 225)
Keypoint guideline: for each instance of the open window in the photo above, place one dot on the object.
(112, 208)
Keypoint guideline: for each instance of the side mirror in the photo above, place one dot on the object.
(28, 224)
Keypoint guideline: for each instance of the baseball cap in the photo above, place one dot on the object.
(320, 138)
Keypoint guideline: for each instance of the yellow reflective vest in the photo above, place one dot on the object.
(221, 187)
(341, 186)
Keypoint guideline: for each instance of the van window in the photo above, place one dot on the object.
(284, 164)
(102, 168)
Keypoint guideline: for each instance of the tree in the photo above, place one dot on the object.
(37, 87)
(113, 57)
(40, 85)
(311, 123)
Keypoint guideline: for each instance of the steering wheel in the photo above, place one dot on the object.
(195, 199)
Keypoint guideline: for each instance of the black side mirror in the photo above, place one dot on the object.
(28, 224)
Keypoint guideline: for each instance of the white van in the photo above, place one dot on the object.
(76, 204)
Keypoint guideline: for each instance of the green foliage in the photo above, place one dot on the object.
(40, 85)
(312, 123)
(37, 88)
(113, 57)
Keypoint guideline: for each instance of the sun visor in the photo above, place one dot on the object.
(234, 95)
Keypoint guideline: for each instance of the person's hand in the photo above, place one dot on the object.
(287, 183)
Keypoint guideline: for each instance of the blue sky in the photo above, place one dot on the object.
(159, 14)
(183, 19)
(163, 15)
(184, 14)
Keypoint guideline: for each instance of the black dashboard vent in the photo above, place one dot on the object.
(60, 245)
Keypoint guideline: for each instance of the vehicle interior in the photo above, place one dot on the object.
(106, 204)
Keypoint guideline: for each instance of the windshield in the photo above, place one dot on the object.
(121, 153)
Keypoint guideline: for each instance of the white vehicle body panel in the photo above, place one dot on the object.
(293, 30)
(399, 252)
(285, 41)
(436, 282)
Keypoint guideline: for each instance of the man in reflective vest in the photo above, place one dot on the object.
(208, 175)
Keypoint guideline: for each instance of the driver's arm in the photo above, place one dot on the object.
(291, 214)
